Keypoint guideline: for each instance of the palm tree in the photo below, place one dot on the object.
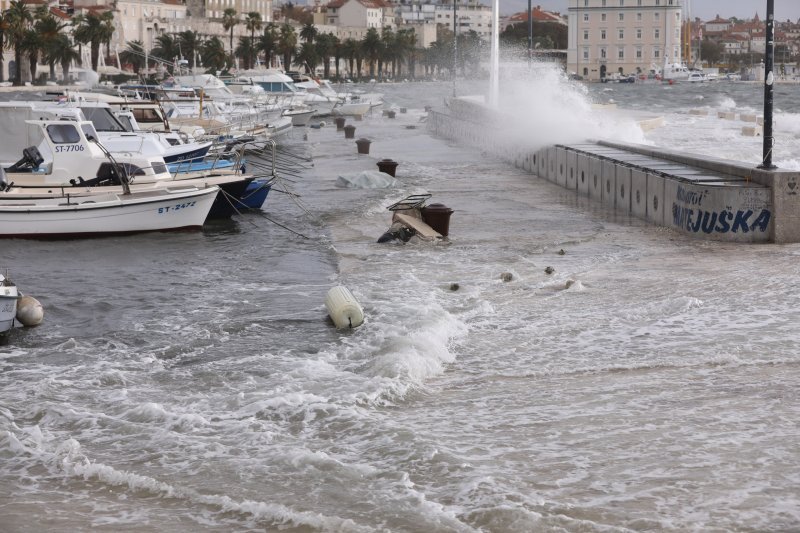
(349, 50)
(189, 43)
(244, 50)
(229, 20)
(268, 43)
(308, 57)
(308, 32)
(18, 19)
(3, 30)
(64, 53)
(49, 29)
(253, 23)
(371, 47)
(133, 55)
(94, 30)
(325, 47)
(337, 52)
(166, 49)
(405, 44)
(388, 54)
(213, 53)
(287, 41)
(31, 44)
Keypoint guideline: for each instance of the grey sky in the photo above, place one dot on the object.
(705, 9)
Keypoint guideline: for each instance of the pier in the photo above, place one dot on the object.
(697, 196)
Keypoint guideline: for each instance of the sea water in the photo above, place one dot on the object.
(192, 381)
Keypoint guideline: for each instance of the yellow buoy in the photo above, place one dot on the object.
(343, 308)
(29, 311)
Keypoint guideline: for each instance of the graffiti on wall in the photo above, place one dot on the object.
(691, 215)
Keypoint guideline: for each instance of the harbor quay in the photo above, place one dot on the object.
(697, 196)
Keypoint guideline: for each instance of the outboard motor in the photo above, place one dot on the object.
(31, 159)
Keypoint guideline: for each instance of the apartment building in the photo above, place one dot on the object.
(623, 36)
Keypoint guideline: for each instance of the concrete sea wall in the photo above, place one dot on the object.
(710, 198)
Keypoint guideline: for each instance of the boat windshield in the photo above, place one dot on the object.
(103, 119)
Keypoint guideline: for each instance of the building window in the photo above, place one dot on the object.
(657, 16)
(621, 53)
(602, 53)
(638, 52)
(656, 53)
(585, 35)
(639, 17)
(586, 17)
(621, 3)
(585, 3)
(603, 35)
(603, 3)
(639, 34)
(658, 2)
(603, 17)
(657, 34)
(639, 3)
(586, 54)
(621, 17)
(621, 34)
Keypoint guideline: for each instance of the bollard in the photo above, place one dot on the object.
(388, 166)
(391, 114)
(340, 123)
(363, 146)
(349, 132)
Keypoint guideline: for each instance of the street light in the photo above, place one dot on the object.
(769, 80)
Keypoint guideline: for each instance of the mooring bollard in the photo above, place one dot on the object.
(388, 166)
(340, 123)
(363, 146)
(349, 132)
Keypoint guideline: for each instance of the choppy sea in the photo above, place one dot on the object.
(192, 381)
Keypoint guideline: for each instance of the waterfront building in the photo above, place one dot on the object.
(623, 36)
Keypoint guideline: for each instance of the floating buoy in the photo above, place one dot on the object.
(343, 308)
(29, 311)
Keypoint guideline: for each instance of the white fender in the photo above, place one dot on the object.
(29, 311)
(343, 308)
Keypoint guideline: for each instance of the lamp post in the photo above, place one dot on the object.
(769, 80)
(530, 33)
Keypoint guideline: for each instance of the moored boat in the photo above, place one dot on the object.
(8, 304)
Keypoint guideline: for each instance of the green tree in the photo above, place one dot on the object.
(166, 49)
(244, 51)
(189, 42)
(214, 56)
(65, 53)
(49, 29)
(229, 21)
(253, 24)
(133, 55)
(31, 44)
(268, 43)
(388, 53)
(19, 19)
(371, 47)
(325, 47)
(349, 51)
(287, 42)
(308, 32)
(94, 30)
(308, 57)
(405, 47)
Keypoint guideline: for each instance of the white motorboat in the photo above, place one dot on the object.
(61, 215)
(8, 304)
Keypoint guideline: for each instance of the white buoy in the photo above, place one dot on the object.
(29, 311)
(343, 308)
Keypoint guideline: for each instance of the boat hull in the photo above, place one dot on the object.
(228, 201)
(106, 214)
(8, 308)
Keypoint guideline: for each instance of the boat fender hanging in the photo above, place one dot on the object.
(29, 311)
(343, 308)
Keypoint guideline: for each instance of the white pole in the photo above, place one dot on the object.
(494, 75)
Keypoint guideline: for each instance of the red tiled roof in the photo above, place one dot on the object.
(538, 15)
(59, 14)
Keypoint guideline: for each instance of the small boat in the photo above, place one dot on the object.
(8, 304)
(62, 215)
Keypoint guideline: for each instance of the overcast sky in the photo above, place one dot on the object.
(705, 9)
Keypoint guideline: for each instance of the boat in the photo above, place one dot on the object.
(696, 77)
(8, 304)
(60, 214)
(68, 160)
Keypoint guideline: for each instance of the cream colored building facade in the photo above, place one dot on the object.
(623, 36)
